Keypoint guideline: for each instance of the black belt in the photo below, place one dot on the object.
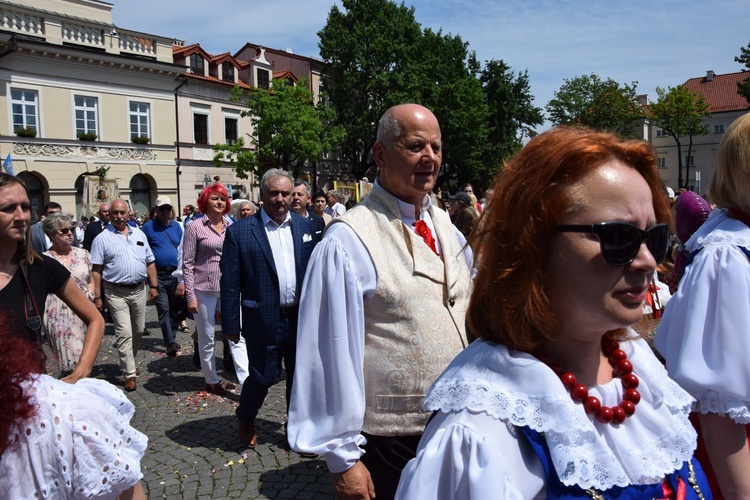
(288, 310)
(127, 285)
(167, 269)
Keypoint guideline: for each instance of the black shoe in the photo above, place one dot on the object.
(173, 349)
(146, 332)
(196, 359)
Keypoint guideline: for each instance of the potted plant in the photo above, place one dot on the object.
(25, 132)
(86, 136)
(140, 139)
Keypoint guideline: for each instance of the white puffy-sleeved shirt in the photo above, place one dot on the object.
(473, 447)
(704, 334)
(327, 406)
(79, 445)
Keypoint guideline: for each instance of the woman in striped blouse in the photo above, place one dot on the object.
(204, 239)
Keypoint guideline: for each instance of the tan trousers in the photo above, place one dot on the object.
(128, 309)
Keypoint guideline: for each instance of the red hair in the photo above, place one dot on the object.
(509, 304)
(19, 360)
(217, 188)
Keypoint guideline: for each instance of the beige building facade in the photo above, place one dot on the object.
(83, 97)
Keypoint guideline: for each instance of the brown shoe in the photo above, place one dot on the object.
(247, 434)
(216, 388)
(173, 349)
(130, 384)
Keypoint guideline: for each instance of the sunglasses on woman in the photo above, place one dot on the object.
(620, 241)
(64, 230)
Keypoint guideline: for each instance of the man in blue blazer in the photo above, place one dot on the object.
(300, 202)
(262, 265)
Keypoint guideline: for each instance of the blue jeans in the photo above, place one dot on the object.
(163, 302)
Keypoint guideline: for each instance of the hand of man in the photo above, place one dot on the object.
(233, 338)
(99, 303)
(354, 483)
(193, 306)
(179, 292)
(152, 293)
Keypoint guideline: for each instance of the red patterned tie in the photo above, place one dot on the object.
(423, 230)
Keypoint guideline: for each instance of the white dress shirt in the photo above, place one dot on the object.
(328, 402)
(282, 247)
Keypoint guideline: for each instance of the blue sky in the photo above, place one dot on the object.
(655, 43)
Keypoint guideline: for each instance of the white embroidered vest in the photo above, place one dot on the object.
(414, 324)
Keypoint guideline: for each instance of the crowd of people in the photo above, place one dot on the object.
(433, 348)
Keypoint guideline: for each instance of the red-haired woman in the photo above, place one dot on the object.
(26, 278)
(59, 440)
(201, 253)
(558, 398)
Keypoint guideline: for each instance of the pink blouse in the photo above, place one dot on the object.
(201, 253)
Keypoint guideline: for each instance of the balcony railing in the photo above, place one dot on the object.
(16, 21)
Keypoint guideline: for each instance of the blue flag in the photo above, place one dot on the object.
(8, 165)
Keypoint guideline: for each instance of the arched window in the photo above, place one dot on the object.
(36, 193)
(140, 194)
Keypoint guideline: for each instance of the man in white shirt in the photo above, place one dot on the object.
(381, 315)
(335, 208)
(263, 262)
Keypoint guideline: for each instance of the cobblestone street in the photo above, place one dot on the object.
(194, 450)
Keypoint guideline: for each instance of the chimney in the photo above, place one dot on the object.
(709, 76)
(642, 99)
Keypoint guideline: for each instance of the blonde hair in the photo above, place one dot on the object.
(730, 185)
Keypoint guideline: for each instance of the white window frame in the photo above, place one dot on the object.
(661, 162)
(660, 133)
(233, 115)
(719, 128)
(205, 111)
(23, 103)
(139, 115)
(257, 79)
(85, 109)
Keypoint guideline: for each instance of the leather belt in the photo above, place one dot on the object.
(127, 285)
(167, 269)
(288, 310)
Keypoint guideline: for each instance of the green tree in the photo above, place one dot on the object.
(289, 129)
(681, 114)
(454, 94)
(512, 114)
(601, 105)
(367, 49)
(743, 87)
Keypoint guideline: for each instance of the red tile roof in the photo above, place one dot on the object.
(212, 79)
(284, 73)
(721, 92)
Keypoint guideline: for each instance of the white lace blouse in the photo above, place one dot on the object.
(473, 449)
(79, 445)
(704, 334)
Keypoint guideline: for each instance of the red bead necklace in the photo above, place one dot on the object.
(622, 368)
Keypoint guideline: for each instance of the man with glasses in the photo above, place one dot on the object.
(164, 235)
(96, 226)
(122, 260)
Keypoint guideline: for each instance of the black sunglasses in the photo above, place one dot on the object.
(64, 230)
(620, 241)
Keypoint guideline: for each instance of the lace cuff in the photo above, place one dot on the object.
(716, 402)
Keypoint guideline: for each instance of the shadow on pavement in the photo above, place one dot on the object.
(305, 477)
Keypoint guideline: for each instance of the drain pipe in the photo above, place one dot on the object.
(177, 141)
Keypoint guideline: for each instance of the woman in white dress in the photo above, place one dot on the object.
(558, 398)
(59, 440)
(705, 332)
